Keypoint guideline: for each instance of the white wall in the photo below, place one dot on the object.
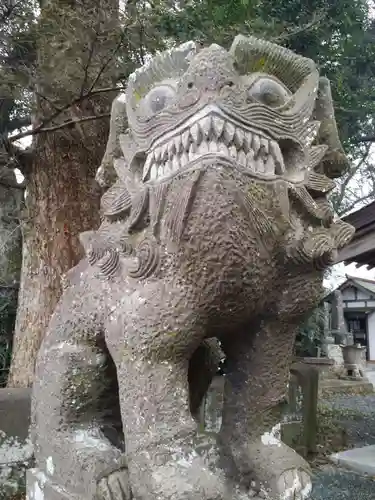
(361, 295)
(371, 336)
(348, 293)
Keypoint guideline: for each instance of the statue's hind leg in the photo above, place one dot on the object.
(255, 389)
(258, 365)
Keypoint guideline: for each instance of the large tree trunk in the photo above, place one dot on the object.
(76, 41)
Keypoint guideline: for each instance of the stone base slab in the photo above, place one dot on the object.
(360, 460)
(39, 487)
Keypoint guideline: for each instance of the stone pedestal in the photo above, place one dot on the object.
(334, 352)
(353, 360)
(16, 450)
(40, 487)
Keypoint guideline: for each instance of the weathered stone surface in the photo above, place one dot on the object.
(216, 227)
(15, 412)
(16, 450)
(361, 460)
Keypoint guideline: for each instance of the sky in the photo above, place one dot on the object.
(339, 272)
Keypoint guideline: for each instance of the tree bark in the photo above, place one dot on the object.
(76, 45)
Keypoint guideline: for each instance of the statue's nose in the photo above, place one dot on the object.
(210, 71)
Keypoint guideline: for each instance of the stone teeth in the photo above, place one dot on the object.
(242, 158)
(166, 170)
(250, 160)
(252, 151)
(279, 168)
(256, 144)
(196, 134)
(222, 148)
(264, 146)
(239, 137)
(184, 159)
(157, 154)
(270, 165)
(175, 163)
(171, 150)
(203, 148)
(218, 126)
(278, 157)
(233, 152)
(259, 165)
(192, 149)
(205, 125)
(213, 147)
(228, 133)
(186, 140)
(148, 163)
(164, 152)
(178, 144)
(248, 139)
(192, 152)
(153, 172)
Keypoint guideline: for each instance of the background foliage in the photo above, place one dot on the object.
(8, 310)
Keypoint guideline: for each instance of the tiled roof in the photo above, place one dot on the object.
(362, 218)
(368, 285)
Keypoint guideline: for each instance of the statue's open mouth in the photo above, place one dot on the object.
(210, 132)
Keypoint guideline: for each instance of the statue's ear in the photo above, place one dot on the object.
(106, 174)
(335, 162)
(252, 54)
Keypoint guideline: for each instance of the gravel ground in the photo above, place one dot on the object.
(361, 430)
(332, 483)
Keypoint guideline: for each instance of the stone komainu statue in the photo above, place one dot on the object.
(215, 225)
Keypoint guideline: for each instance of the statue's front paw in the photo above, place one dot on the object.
(193, 481)
(114, 485)
(294, 484)
(272, 470)
(176, 473)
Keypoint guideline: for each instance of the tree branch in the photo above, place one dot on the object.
(317, 18)
(368, 138)
(109, 60)
(8, 11)
(12, 156)
(352, 205)
(13, 185)
(18, 123)
(87, 65)
(69, 123)
(53, 116)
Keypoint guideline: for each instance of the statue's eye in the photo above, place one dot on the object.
(269, 92)
(157, 99)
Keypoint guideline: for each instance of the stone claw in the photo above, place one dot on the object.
(272, 470)
(294, 484)
(114, 486)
